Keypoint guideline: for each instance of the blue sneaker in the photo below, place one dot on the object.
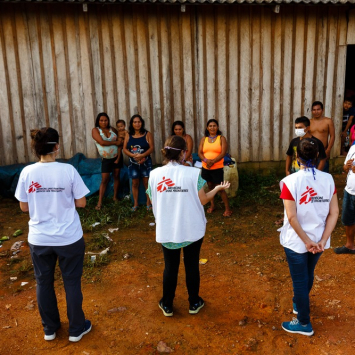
(296, 327)
(295, 311)
(86, 330)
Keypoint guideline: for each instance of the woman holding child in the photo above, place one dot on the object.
(138, 145)
(107, 143)
(212, 149)
(311, 213)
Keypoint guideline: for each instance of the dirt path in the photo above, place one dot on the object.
(245, 284)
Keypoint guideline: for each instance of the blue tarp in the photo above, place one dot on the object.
(89, 170)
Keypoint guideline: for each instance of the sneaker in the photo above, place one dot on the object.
(167, 311)
(195, 308)
(49, 337)
(295, 311)
(343, 250)
(296, 327)
(86, 330)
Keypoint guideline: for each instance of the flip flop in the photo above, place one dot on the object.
(149, 207)
(343, 250)
(134, 208)
(210, 210)
(227, 213)
(98, 208)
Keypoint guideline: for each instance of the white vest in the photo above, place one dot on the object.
(179, 214)
(312, 199)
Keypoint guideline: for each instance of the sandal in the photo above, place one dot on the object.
(227, 213)
(149, 207)
(134, 208)
(344, 250)
(98, 208)
(210, 210)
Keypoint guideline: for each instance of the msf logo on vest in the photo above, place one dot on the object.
(34, 186)
(307, 196)
(164, 184)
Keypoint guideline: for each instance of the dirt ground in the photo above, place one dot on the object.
(245, 284)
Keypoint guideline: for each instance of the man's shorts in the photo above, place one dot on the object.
(136, 171)
(348, 214)
(215, 176)
(108, 165)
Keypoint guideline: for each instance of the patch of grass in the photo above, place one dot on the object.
(256, 189)
(98, 242)
(115, 214)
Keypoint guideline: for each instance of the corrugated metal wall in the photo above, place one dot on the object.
(253, 70)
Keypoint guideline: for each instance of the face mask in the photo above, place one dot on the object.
(300, 132)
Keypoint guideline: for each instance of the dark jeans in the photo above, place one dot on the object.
(71, 258)
(192, 271)
(302, 272)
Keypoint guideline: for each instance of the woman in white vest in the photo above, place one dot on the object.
(177, 196)
(51, 192)
(311, 213)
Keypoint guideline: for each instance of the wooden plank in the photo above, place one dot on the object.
(6, 115)
(256, 84)
(186, 65)
(298, 64)
(287, 34)
(278, 153)
(85, 84)
(310, 60)
(350, 39)
(195, 83)
(265, 80)
(244, 73)
(154, 81)
(131, 69)
(210, 66)
(221, 69)
(13, 94)
(330, 67)
(96, 62)
(233, 108)
(321, 55)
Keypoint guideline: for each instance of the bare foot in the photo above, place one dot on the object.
(227, 213)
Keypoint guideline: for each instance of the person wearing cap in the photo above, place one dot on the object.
(178, 196)
(311, 213)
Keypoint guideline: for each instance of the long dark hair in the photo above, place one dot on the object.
(219, 133)
(44, 140)
(177, 123)
(131, 130)
(98, 119)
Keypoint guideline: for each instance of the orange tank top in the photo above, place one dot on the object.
(212, 150)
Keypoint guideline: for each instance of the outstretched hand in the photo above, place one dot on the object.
(223, 186)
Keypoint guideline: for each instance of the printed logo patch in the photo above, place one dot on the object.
(34, 186)
(164, 184)
(311, 196)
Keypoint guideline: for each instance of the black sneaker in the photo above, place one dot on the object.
(86, 330)
(195, 308)
(167, 311)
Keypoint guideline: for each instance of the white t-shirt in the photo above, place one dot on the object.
(312, 199)
(179, 214)
(350, 183)
(50, 190)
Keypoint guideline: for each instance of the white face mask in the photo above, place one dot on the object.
(300, 132)
(55, 151)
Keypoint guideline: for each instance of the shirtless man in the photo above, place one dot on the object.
(321, 128)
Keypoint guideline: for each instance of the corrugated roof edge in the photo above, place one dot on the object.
(330, 2)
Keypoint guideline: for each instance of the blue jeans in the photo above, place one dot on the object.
(348, 212)
(302, 272)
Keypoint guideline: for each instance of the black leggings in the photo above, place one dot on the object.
(172, 262)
